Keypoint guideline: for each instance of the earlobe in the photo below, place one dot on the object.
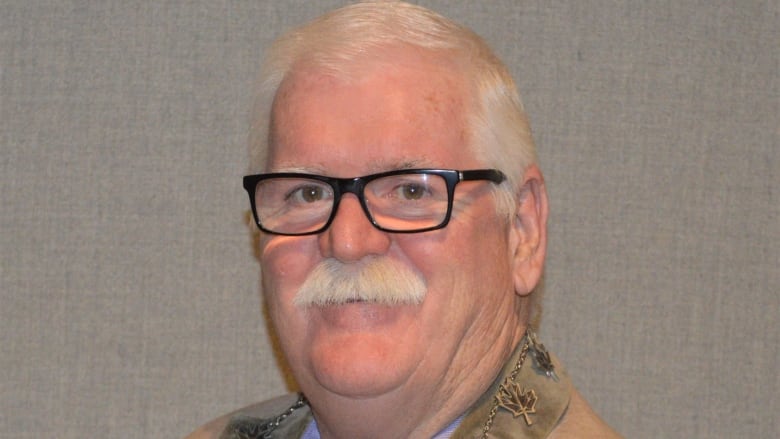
(529, 232)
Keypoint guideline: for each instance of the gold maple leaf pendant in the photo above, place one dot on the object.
(517, 400)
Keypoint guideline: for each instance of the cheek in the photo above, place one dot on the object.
(463, 255)
(285, 262)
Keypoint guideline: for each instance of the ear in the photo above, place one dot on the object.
(528, 234)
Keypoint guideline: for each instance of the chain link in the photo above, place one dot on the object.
(273, 425)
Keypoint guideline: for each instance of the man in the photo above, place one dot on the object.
(403, 235)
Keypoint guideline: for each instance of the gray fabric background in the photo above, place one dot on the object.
(129, 293)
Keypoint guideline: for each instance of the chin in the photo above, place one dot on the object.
(361, 366)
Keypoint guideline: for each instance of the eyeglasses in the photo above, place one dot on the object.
(402, 201)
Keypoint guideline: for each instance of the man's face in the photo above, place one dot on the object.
(412, 115)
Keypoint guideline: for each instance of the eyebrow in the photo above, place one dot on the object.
(373, 169)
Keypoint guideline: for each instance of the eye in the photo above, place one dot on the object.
(307, 194)
(412, 191)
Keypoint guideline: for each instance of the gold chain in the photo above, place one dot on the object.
(512, 376)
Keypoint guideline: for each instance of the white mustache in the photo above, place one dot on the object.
(375, 279)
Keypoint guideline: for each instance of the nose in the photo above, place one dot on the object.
(351, 236)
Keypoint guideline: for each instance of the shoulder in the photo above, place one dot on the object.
(263, 410)
(580, 421)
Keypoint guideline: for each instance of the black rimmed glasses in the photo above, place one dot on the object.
(402, 201)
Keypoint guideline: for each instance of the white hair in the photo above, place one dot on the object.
(338, 43)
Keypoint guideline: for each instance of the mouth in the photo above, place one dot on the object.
(352, 301)
(361, 315)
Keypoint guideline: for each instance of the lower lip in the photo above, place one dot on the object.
(360, 316)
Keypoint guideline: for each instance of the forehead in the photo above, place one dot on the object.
(411, 112)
